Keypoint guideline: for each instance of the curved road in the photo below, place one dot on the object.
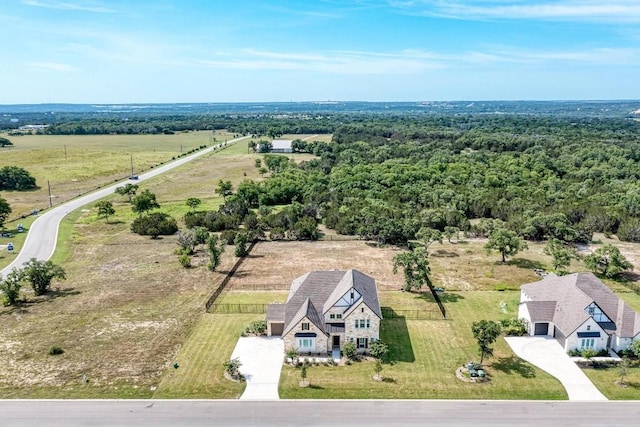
(43, 233)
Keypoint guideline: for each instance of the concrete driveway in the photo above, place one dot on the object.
(547, 354)
(261, 359)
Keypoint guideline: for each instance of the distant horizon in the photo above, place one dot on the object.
(124, 52)
(320, 101)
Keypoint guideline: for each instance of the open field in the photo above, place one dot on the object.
(606, 381)
(90, 161)
(121, 316)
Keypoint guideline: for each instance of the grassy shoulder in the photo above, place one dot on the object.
(607, 380)
(200, 373)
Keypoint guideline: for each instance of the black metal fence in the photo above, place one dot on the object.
(387, 312)
(212, 299)
(238, 308)
(390, 313)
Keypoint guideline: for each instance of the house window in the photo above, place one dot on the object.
(332, 316)
(338, 316)
(356, 323)
(362, 323)
(588, 342)
(588, 327)
(352, 295)
(305, 326)
(368, 323)
(362, 343)
(591, 311)
(362, 310)
(306, 344)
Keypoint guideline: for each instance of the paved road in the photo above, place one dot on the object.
(43, 233)
(261, 359)
(316, 413)
(547, 354)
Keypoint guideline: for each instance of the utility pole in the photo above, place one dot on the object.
(50, 201)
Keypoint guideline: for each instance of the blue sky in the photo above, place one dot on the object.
(116, 51)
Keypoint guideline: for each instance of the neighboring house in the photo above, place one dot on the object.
(281, 146)
(579, 311)
(326, 309)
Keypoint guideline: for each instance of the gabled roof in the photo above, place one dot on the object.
(363, 284)
(314, 293)
(541, 311)
(571, 294)
(307, 310)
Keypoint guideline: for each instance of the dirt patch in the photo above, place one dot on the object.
(275, 264)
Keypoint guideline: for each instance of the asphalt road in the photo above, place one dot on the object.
(43, 233)
(314, 413)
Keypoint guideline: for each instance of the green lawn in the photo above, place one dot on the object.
(605, 381)
(200, 374)
(425, 355)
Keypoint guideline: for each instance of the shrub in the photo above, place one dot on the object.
(185, 260)
(55, 350)
(154, 225)
(258, 327)
(514, 327)
(228, 237)
(349, 350)
(232, 367)
(588, 353)
(293, 354)
(378, 349)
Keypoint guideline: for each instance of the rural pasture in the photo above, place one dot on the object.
(76, 164)
(128, 311)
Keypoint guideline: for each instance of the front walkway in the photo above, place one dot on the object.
(261, 359)
(547, 354)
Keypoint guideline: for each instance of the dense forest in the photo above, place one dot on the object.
(385, 178)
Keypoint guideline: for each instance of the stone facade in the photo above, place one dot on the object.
(372, 332)
(321, 340)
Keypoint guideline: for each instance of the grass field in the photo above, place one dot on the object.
(75, 164)
(607, 382)
(200, 374)
(124, 311)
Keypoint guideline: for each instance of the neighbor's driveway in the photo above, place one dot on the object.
(547, 354)
(261, 359)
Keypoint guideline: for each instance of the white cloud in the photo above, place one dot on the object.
(335, 62)
(565, 10)
(410, 61)
(53, 66)
(79, 6)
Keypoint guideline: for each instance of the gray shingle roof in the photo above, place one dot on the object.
(572, 294)
(275, 312)
(312, 294)
(541, 311)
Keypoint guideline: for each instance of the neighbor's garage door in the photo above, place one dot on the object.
(541, 329)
